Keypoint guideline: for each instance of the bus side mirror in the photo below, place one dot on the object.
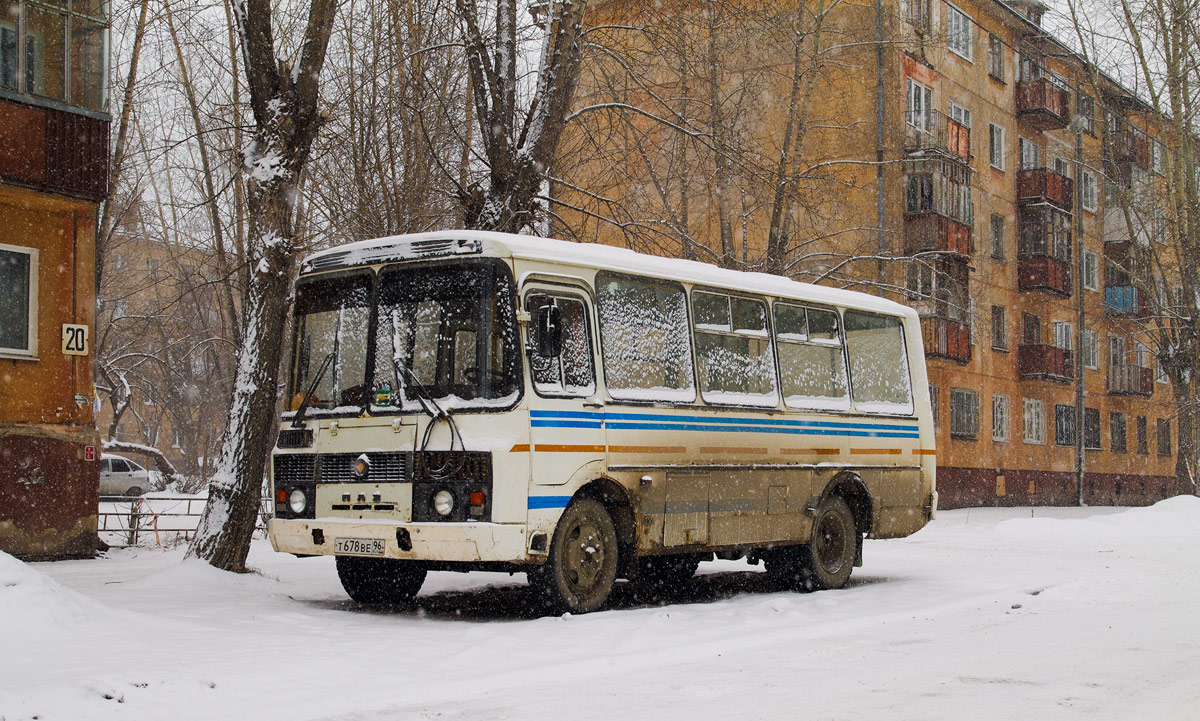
(549, 331)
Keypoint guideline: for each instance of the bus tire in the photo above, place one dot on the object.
(664, 573)
(581, 566)
(380, 580)
(825, 562)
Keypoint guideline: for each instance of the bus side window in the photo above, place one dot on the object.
(570, 373)
(811, 365)
(878, 363)
(644, 336)
(733, 350)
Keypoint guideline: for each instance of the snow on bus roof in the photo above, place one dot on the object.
(527, 247)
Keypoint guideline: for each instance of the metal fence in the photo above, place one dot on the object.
(158, 520)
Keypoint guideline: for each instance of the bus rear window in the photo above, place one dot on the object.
(878, 364)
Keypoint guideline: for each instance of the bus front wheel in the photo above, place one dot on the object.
(581, 567)
(826, 561)
(380, 580)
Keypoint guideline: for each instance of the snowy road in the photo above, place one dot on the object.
(986, 614)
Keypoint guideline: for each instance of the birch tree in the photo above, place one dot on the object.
(283, 97)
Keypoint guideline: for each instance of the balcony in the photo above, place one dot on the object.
(1043, 105)
(1040, 272)
(946, 338)
(1042, 185)
(1129, 145)
(930, 231)
(54, 150)
(1045, 362)
(936, 132)
(1130, 380)
(1126, 301)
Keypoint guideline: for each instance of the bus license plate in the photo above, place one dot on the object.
(358, 546)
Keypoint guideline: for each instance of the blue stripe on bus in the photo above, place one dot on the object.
(566, 424)
(536, 502)
(595, 417)
(592, 415)
(900, 433)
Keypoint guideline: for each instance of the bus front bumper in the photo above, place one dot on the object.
(452, 542)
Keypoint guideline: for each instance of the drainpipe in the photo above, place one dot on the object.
(1080, 318)
(880, 241)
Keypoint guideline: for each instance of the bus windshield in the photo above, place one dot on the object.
(446, 333)
(332, 318)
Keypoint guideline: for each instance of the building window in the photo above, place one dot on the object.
(18, 300)
(1160, 372)
(1091, 429)
(997, 236)
(1031, 154)
(959, 32)
(1159, 159)
(920, 105)
(1143, 444)
(934, 407)
(1031, 329)
(964, 413)
(1088, 191)
(959, 114)
(996, 146)
(64, 55)
(1064, 425)
(1062, 334)
(1086, 107)
(995, 57)
(999, 328)
(1091, 349)
(1033, 414)
(1164, 437)
(1091, 270)
(917, 13)
(1000, 422)
(1116, 426)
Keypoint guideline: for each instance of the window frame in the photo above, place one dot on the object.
(995, 57)
(1163, 437)
(1087, 192)
(1091, 270)
(30, 351)
(999, 339)
(568, 295)
(964, 400)
(960, 28)
(1090, 432)
(1033, 434)
(996, 236)
(1090, 353)
(1001, 418)
(776, 397)
(996, 146)
(777, 342)
(1065, 425)
(1117, 419)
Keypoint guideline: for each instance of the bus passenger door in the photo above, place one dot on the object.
(566, 424)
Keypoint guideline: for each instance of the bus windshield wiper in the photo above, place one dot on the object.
(298, 421)
(421, 392)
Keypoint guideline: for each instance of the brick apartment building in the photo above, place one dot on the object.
(53, 175)
(971, 214)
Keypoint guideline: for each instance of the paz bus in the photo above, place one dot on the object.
(581, 413)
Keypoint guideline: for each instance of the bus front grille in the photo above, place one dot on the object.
(385, 468)
(294, 468)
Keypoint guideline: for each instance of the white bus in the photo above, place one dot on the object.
(478, 401)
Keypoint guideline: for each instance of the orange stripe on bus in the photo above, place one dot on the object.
(647, 449)
(874, 451)
(732, 449)
(808, 451)
(924, 452)
(553, 448)
(519, 448)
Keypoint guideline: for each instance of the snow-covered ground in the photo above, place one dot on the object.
(985, 614)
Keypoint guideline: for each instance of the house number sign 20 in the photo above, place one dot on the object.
(74, 339)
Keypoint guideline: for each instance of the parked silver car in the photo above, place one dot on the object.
(120, 476)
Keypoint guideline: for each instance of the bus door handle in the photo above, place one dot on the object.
(593, 403)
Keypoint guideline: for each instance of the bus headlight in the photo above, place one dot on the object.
(298, 501)
(443, 502)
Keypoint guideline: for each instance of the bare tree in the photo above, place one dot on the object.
(284, 103)
(1153, 200)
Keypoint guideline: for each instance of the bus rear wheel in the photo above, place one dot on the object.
(380, 580)
(581, 567)
(826, 561)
